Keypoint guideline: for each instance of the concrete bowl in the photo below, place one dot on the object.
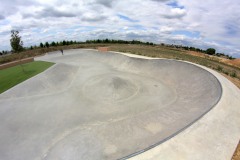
(103, 105)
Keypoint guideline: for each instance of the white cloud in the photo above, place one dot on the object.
(5, 29)
(152, 20)
(175, 13)
(92, 17)
(166, 29)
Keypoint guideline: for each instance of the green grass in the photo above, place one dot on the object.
(12, 76)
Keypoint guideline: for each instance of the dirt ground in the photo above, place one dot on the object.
(236, 155)
(235, 62)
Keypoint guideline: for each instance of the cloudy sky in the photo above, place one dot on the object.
(203, 24)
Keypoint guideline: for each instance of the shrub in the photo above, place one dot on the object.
(211, 51)
(220, 68)
(225, 72)
(233, 74)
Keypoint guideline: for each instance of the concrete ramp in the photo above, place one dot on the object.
(103, 105)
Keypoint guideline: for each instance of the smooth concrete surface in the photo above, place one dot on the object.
(104, 105)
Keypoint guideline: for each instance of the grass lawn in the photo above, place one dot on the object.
(14, 75)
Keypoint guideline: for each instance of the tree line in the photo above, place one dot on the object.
(53, 44)
(17, 45)
(119, 41)
(209, 51)
(64, 43)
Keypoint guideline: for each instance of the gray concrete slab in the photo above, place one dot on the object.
(98, 105)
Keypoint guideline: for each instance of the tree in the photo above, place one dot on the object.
(16, 42)
(41, 45)
(47, 44)
(53, 44)
(211, 51)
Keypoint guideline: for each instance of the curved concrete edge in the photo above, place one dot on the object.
(213, 137)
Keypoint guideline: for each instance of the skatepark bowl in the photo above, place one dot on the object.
(102, 105)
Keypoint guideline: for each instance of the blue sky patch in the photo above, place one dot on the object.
(138, 27)
(231, 29)
(126, 18)
(174, 4)
(155, 28)
(187, 33)
(36, 30)
(4, 22)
